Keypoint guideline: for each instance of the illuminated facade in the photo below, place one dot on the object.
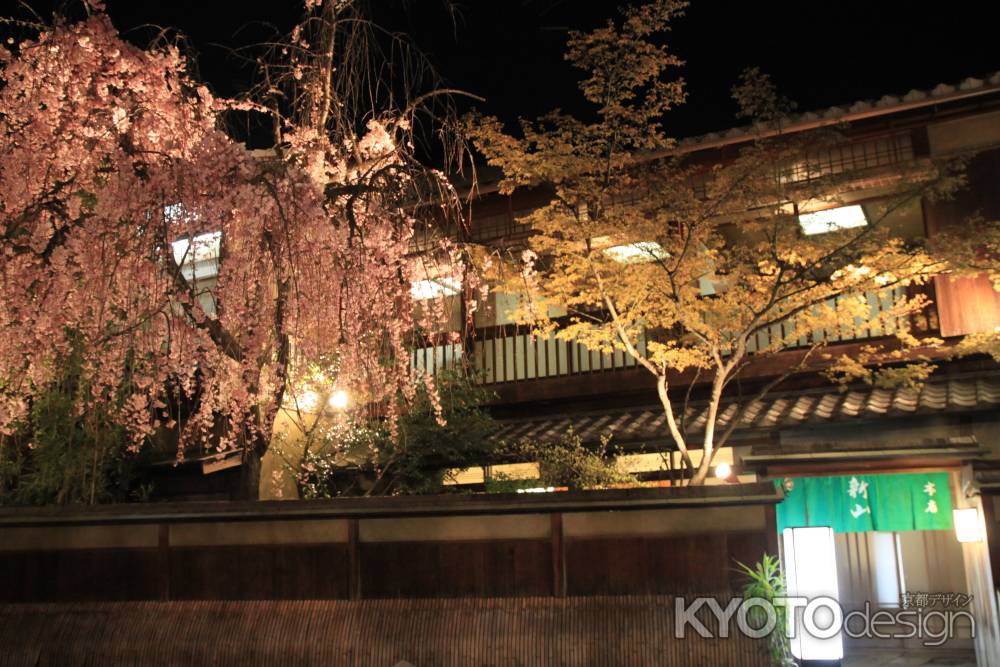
(805, 428)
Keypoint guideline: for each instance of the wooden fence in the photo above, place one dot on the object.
(573, 578)
(572, 632)
(613, 542)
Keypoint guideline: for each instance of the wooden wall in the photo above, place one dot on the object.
(645, 551)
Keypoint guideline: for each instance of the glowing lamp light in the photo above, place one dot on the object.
(832, 219)
(723, 471)
(967, 525)
(338, 400)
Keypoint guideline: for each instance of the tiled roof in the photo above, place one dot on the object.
(648, 424)
(940, 93)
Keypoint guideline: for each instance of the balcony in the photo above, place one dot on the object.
(511, 353)
(883, 323)
(507, 354)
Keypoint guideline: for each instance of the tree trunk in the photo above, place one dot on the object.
(253, 455)
(702, 472)
(249, 487)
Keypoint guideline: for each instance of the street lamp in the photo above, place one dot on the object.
(338, 400)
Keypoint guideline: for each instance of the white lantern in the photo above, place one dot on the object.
(967, 525)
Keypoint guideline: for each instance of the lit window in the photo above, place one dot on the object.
(198, 256)
(636, 253)
(832, 219)
(436, 288)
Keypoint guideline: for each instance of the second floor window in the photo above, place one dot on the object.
(832, 220)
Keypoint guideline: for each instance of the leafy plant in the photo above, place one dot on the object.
(59, 454)
(765, 580)
(566, 461)
(362, 456)
(500, 482)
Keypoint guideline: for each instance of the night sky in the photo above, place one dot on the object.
(510, 51)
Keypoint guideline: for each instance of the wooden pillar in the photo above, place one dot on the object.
(163, 558)
(979, 572)
(992, 539)
(771, 521)
(980, 581)
(353, 561)
(558, 556)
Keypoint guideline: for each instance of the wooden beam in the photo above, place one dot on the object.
(634, 383)
(887, 466)
(771, 521)
(353, 561)
(212, 465)
(163, 555)
(558, 556)
(397, 506)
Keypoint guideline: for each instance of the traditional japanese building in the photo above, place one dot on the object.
(902, 483)
(889, 470)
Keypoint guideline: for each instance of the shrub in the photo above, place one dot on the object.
(361, 457)
(566, 461)
(59, 455)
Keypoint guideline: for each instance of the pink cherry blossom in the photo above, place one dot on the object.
(110, 154)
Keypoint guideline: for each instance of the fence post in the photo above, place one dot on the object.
(558, 556)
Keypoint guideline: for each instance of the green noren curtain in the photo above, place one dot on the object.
(859, 503)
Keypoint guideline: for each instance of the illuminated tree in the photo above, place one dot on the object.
(702, 266)
(118, 188)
